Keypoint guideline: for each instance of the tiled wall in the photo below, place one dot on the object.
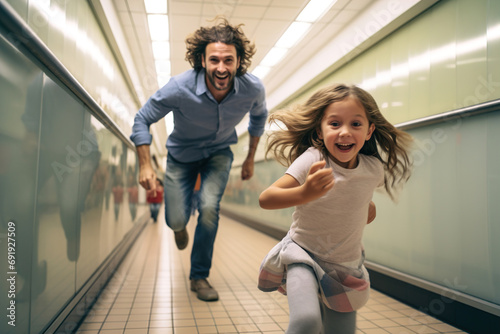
(444, 227)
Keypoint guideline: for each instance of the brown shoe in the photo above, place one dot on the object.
(204, 290)
(181, 239)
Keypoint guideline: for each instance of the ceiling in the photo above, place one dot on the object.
(264, 23)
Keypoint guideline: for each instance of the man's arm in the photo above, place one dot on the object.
(147, 175)
(248, 164)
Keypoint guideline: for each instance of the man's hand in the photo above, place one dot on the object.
(147, 175)
(147, 178)
(247, 169)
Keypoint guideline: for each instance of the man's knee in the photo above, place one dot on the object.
(176, 224)
(209, 218)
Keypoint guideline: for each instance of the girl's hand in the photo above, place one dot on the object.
(319, 181)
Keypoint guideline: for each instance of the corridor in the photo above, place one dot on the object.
(149, 293)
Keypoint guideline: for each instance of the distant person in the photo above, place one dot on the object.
(207, 102)
(117, 195)
(133, 196)
(339, 148)
(155, 198)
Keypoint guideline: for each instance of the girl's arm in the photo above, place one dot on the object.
(287, 192)
(372, 212)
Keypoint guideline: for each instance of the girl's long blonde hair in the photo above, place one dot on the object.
(388, 144)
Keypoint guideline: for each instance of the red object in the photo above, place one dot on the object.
(155, 199)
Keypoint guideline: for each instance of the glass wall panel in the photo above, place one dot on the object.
(242, 197)
(493, 209)
(91, 197)
(419, 63)
(135, 207)
(72, 33)
(111, 204)
(441, 228)
(445, 69)
(58, 209)
(68, 185)
(493, 51)
(18, 168)
(471, 52)
(20, 6)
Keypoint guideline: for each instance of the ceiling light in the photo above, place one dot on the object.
(162, 79)
(273, 56)
(161, 50)
(314, 10)
(261, 71)
(158, 27)
(155, 6)
(293, 34)
(163, 66)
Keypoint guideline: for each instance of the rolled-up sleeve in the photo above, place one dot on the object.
(258, 115)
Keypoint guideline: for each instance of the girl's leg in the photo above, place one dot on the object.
(303, 301)
(338, 322)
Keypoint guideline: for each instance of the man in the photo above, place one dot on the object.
(208, 101)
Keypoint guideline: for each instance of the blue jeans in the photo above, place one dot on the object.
(154, 208)
(180, 179)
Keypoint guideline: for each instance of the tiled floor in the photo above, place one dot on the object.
(150, 292)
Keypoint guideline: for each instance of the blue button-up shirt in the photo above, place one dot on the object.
(202, 125)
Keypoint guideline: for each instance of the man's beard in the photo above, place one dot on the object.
(213, 78)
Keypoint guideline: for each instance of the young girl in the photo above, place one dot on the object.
(340, 148)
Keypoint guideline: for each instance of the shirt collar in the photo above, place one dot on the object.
(201, 84)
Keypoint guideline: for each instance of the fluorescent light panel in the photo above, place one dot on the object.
(163, 66)
(293, 34)
(156, 6)
(273, 56)
(158, 27)
(161, 50)
(314, 10)
(261, 71)
(311, 13)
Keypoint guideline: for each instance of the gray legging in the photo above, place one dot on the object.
(308, 314)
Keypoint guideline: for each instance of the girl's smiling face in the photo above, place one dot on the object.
(344, 130)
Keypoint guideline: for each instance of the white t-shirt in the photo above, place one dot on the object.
(331, 227)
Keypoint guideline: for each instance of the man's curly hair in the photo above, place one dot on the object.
(224, 33)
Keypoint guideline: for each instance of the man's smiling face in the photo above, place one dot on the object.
(221, 64)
